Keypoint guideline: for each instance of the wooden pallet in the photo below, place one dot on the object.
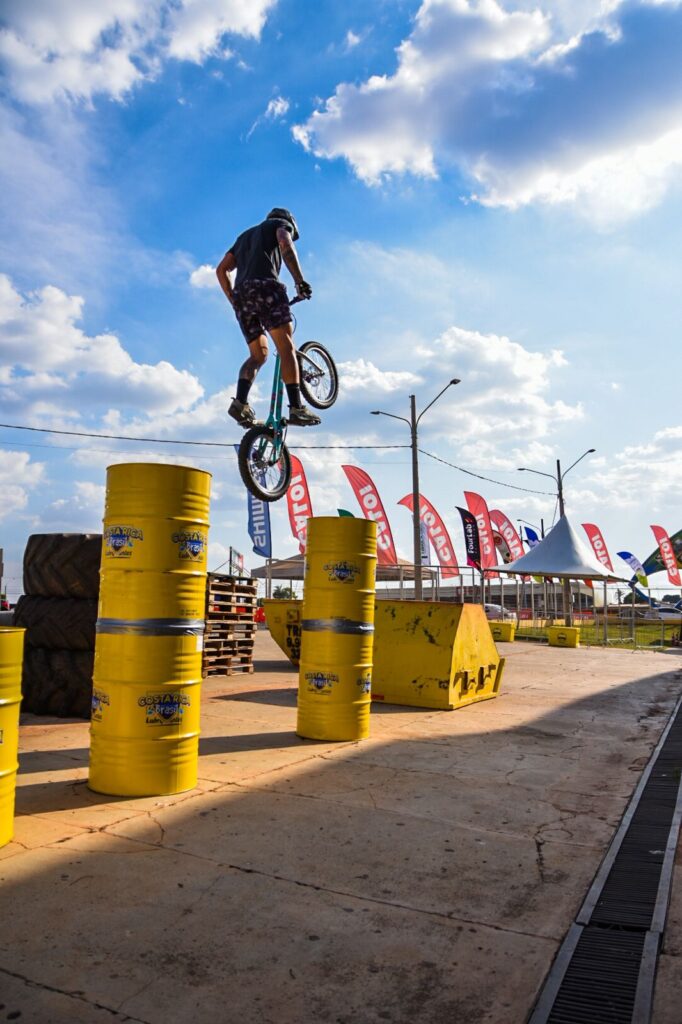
(230, 627)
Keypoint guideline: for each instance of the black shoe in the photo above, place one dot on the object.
(242, 413)
(301, 416)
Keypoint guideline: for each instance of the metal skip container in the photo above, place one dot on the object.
(150, 630)
(337, 629)
(11, 661)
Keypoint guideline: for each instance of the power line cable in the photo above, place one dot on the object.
(478, 476)
(299, 447)
(165, 440)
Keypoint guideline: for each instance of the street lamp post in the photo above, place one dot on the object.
(559, 481)
(413, 424)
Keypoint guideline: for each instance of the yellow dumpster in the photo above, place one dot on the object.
(337, 629)
(150, 631)
(11, 660)
(434, 655)
(505, 631)
(563, 636)
(283, 619)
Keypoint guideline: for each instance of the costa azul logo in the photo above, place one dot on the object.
(320, 682)
(164, 708)
(119, 540)
(342, 572)
(100, 700)
(191, 544)
(364, 682)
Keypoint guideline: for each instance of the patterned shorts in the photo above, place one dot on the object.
(261, 305)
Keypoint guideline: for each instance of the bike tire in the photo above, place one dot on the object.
(255, 477)
(330, 377)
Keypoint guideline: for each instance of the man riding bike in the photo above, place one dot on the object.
(260, 304)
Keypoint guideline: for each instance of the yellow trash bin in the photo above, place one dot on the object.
(11, 661)
(337, 629)
(563, 636)
(503, 630)
(150, 631)
(283, 618)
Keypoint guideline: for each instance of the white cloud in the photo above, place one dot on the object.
(361, 375)
(55, 364)
(18, 477)
(531, 107)
(277, 107)
(81, 511)
(77, 49)
(203, 277)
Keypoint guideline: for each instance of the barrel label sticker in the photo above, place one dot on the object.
(341, 572)
(164, 708)
(119, 540)
(200, 644)
(320, 682)
(99, 700)
(191, 544)
(364, 682)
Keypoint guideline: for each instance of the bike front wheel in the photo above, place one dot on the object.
(319, 376)
(266, 474)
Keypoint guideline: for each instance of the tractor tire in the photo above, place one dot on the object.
(63, 565)
(57, 623)
(57, 683)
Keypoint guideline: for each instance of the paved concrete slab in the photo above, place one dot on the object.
(426, 874)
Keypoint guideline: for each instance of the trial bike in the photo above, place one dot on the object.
(264, 460)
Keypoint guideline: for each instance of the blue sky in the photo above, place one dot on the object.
(489, 190)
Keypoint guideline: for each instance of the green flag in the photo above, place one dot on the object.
(345, 512)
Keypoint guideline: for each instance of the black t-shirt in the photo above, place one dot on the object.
(257, 254)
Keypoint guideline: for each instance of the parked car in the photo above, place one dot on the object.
(496, 611)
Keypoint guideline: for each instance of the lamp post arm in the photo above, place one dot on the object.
(434, 400)
(589, 451)
(380, 412)
(538, 472)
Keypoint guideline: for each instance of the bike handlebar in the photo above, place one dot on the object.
(297, 298)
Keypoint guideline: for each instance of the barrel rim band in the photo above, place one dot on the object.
(337, 625)
(151, 627)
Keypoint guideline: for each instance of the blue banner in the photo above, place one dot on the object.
(259, 524)
(531, 537)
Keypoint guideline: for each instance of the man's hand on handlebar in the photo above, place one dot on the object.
(303, 290)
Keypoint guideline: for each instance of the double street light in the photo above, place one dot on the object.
(413, 424)
(558, 479)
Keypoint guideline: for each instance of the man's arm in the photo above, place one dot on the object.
(286, 247)
(222, 271)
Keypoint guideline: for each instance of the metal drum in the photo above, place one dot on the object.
(150, 629)
(337, 629)
(11, 660)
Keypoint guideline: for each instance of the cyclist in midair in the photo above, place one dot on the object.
(260, 303)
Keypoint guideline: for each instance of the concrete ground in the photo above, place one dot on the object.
(425, 875)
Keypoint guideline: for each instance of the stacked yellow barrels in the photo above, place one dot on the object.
(150, 629)
(11, 660)
(337, 629)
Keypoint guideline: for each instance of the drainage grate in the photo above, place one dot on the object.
(605, 968)
(600, 983)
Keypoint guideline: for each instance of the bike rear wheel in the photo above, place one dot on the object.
(264, 474)
(319, 376)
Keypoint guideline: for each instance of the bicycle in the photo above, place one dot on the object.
(264, 460)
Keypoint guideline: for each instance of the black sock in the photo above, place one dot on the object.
(243, 388)
(294, 396)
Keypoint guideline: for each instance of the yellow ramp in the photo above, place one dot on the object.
(433, 655)
(283, 619)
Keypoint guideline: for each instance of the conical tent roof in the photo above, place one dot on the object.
(561, 554)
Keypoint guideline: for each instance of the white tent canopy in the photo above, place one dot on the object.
(561, 554)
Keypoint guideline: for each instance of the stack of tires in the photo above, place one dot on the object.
(59, 612)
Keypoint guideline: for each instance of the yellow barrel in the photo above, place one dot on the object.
(150, 631)
(337, 629)
(11, 660)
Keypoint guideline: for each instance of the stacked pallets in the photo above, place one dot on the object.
(230, 625)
